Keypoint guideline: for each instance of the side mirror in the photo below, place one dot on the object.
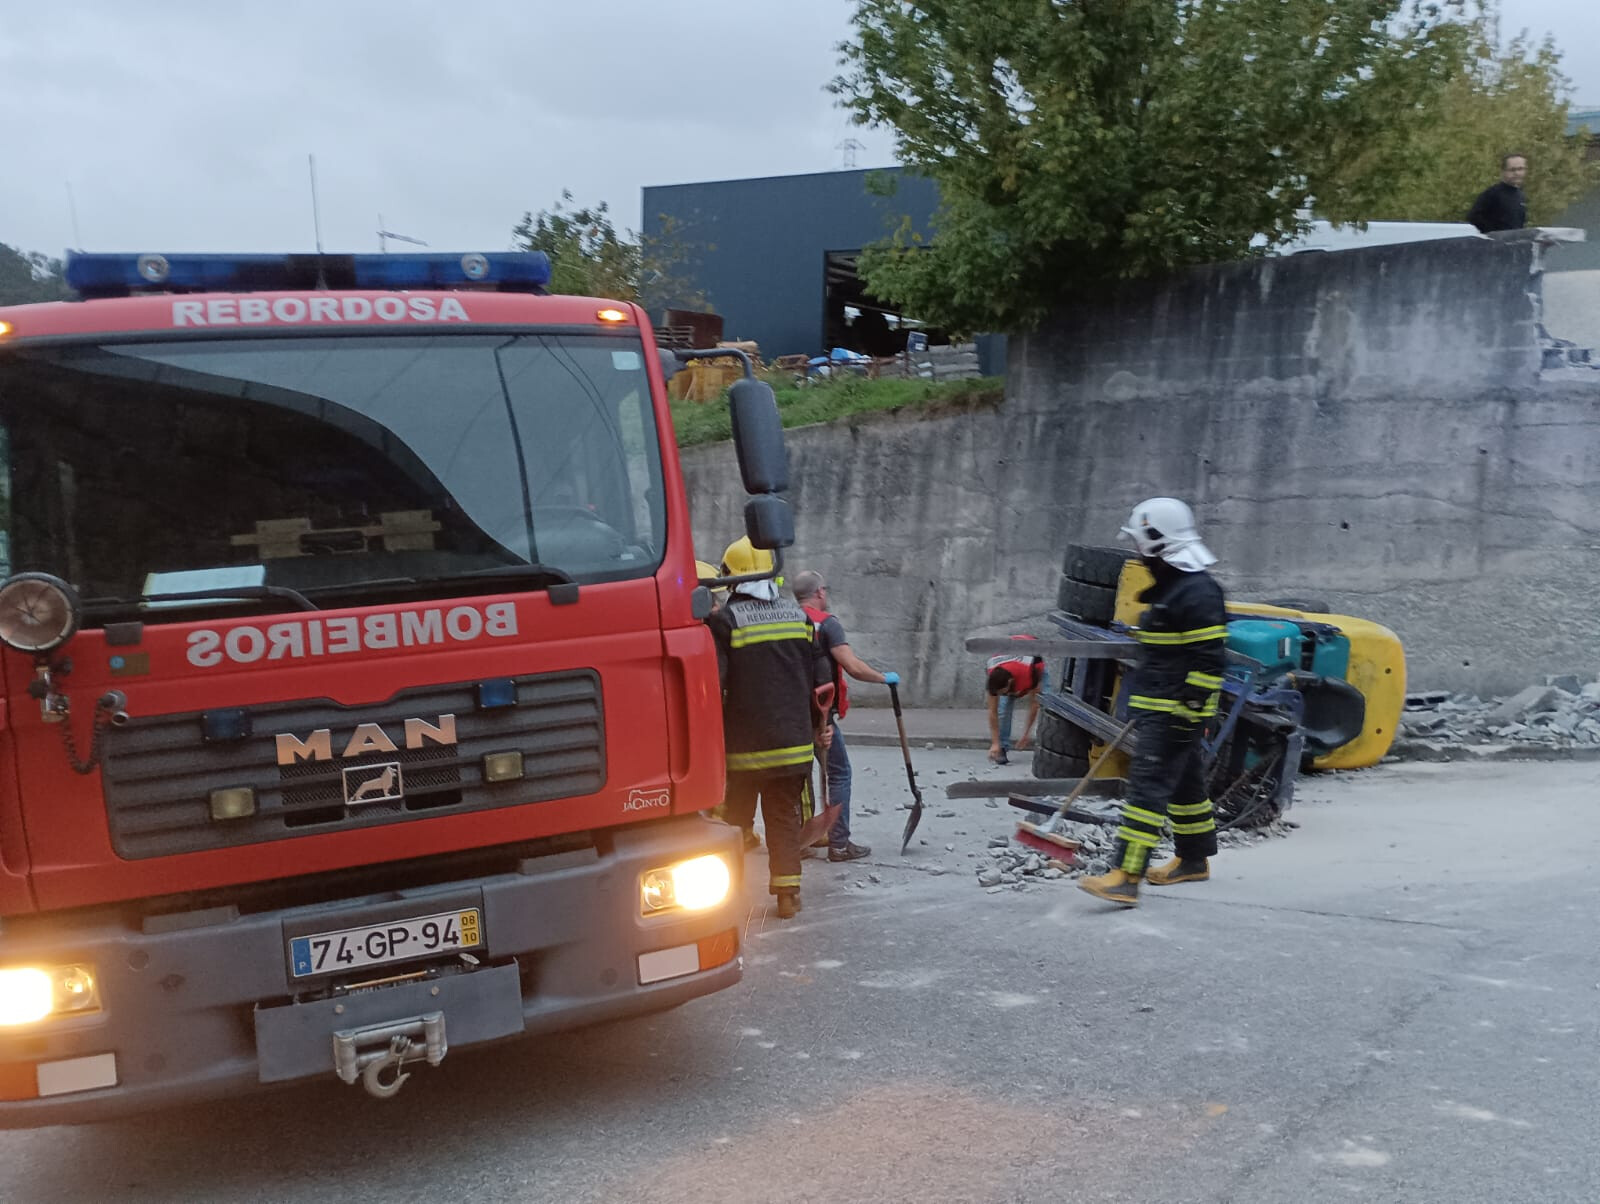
(671, 365)
(758, 440)
(768, 522)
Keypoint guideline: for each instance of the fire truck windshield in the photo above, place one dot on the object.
(340, 467)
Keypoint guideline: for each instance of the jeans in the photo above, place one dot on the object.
(838, 770)
(1006, 702)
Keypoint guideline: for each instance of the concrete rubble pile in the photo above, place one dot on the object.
(1564, 712)
(1008, 864)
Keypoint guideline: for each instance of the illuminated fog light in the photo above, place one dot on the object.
(233, 802)
(502, 766)
(26, 996)
(692, 885)
(701, 883)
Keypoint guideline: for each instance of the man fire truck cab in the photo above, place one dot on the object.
(355, 702)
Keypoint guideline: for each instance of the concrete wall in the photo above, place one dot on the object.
(1371, 426)
(1572, 306)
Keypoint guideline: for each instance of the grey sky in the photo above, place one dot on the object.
(184, 126)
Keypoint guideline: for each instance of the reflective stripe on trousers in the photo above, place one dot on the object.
(1165, 782)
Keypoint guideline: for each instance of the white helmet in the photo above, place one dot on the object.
(1164, 527)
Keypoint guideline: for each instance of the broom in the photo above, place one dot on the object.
(1039, 837)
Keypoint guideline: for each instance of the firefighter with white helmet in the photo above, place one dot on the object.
(1174, 690)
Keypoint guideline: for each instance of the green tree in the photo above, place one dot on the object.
(589, 258)
(1077, 142)
(1507, 100)
(29, 276)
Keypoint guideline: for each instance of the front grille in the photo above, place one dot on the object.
(159, 772)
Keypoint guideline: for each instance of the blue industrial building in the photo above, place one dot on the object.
(776, 256)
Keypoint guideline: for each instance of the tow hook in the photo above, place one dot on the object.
(377, 1056)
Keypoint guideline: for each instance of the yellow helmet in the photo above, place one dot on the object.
(704, 571)
(741, 559)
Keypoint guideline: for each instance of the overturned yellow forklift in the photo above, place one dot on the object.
(1304, 689)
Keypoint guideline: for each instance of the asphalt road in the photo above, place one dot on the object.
(1396, 1003)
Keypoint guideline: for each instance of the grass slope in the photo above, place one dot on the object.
(828, 401)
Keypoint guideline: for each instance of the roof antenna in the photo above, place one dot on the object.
(72, 209)
(316, 221)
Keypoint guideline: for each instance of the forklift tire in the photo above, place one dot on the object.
(1091, 603)
(1048, 764)
(1061, 736)
(1095, 565)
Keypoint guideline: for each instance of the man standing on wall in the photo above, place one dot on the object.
(766, 652)
(811, 591)
(1502, 206)
(1173, 692)
(1008, 678)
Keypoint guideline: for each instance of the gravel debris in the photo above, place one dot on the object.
(1006, 864)
(1561, 712)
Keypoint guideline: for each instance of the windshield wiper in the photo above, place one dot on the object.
(546, 574)
(246, 592)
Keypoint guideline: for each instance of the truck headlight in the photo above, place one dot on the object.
(693, 885)
(29, 994)
(38, 612)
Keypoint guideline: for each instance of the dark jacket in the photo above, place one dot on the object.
(1500, 206)
(1183, 633)
(768, 656)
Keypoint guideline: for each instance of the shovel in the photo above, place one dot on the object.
(822, 822)
(915, 817)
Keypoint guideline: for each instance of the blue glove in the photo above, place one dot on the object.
(891, 679)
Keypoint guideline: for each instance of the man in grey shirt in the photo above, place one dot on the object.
(811, 591)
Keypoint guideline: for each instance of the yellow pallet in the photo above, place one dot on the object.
(1377, 666)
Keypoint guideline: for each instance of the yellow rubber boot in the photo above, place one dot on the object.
(1114, 886)
(1178, 870)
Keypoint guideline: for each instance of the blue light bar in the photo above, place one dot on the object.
(119, 275)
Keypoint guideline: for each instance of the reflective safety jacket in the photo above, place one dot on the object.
(1183, 633)
(767, 654)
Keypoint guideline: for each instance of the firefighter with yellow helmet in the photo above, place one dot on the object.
(766, 651)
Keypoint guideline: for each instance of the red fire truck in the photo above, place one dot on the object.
(355, 703)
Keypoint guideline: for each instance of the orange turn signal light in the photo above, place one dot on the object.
(610, 314)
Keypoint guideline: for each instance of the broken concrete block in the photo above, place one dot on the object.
(1569, 682)
(1519, 706)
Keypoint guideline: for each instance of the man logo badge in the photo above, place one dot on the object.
(366, 784)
